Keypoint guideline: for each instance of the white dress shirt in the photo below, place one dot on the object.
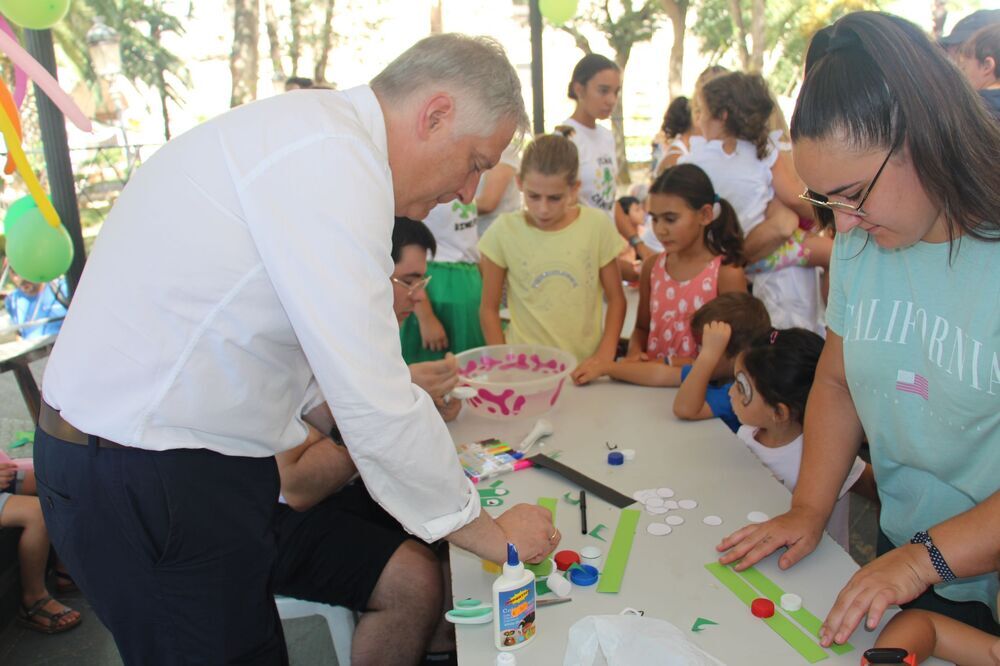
(246, 259)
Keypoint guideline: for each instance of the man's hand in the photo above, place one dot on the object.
(530, 528)
(436, 377)
(449, 408)
(714, 339)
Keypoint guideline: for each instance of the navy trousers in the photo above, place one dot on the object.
(174, 549)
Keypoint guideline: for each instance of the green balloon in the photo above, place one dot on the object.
(19, 208)
(34, 14)
(557, 11)
(37, 251)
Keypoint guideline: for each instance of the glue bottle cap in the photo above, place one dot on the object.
(512, 558)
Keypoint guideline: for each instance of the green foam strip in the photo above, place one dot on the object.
(770, 589)
(550, 504)
(621, 546)
(780, 624)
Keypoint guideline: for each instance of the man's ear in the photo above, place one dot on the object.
(436, 113)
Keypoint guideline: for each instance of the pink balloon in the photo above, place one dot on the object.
(20, 78)
(44, 80)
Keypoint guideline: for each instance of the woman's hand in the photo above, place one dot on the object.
(899, 576)
(800, 530)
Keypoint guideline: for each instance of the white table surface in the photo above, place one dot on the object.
(665, 575)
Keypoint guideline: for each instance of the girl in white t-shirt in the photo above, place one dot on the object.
(595, 87)
(736, 150)
(773, 378)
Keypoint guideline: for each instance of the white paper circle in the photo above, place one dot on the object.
(654, 501)
(665, 492)
(687, 504)
(712, 520)
(657, 510)
(671, 504)
(659, 529)
(757, 517)
(674, 520)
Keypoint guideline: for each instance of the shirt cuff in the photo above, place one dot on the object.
(440, 527)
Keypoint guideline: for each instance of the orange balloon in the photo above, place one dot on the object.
(7, 102)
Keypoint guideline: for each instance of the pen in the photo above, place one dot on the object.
(583, 512)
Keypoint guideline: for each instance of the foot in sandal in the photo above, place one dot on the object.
(48, 616)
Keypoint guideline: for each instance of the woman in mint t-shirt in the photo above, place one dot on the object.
(899, 154)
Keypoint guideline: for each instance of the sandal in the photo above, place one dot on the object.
(26, 617)
(65, 583)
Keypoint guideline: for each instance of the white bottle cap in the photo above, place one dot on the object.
(506, 659)
(791, 602)
(559, 585)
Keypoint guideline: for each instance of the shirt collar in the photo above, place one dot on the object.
(369, 111)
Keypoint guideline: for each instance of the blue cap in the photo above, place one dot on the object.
(512, 558)
(583, 575)
(616, 458)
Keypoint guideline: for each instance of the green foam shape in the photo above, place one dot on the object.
(550, 504)
(596, 532)
(781, 625)
(701, 623)
(569, 498)
(541, 587)
(621, 546)
(542, 569)
(810, 622)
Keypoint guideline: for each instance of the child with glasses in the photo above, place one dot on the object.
(732, 112)
(558, 260)
(773, 378)
(447, 318)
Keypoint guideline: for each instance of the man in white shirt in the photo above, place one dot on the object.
(247, 259)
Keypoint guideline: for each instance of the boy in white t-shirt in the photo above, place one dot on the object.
(773, 378)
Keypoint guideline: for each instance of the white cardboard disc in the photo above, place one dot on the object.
(657, 510)
(687, 504)
(758, 517)
(674, 520)
(671, 504)
(712, 520)
(791, 602)
(665, 492)
(659, 529)
(654, 501)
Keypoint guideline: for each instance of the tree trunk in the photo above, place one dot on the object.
(295, 44)
(940, 12)
(436, 24)
(757, 32)
(325, 43)
(618, 121)
(741, 33)
(243, 57)
(677, 11)
(273, 40)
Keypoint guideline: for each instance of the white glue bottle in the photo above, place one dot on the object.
(513, 604)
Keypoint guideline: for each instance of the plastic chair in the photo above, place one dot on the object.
(340, 620)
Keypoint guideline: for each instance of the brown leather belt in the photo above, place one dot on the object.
(53, 424)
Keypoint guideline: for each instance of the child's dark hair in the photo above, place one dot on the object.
(782, 365)
(551, 155)
(410, 232)
(589, 66)
(747, 103)
(745, 314)
(984, 43)
(677, 119)
(723, 236)
(875, 82)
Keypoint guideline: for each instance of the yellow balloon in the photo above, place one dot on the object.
(21, 161)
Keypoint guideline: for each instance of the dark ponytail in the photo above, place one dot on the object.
(589, 66)
(876, 82)
(782, 365)
(723, 235)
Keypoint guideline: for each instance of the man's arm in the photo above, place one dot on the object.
(314, 470)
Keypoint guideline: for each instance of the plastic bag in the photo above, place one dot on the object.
(631, 640)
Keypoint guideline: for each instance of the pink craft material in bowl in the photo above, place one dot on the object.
(514, 381)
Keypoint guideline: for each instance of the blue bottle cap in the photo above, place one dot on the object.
(512, 558)
(616, 458)
(583, 575)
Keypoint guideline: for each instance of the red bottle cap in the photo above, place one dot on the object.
(566, 558)
(762, 608)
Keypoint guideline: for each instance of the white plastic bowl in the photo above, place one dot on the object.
(514, 381)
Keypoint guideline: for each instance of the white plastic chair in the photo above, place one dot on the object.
(340, 620)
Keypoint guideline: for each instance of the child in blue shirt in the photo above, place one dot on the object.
(32, 301)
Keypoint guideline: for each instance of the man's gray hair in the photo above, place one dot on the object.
(475, 70)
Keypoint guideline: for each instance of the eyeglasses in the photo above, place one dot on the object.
(822, 202)
(412, 287)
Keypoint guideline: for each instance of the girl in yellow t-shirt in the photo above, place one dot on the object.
(558, 260)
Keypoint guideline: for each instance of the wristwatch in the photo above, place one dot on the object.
(634, 240)
(937, 559)
(888, 656)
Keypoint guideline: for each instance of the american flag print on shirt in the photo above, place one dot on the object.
(911, 382)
